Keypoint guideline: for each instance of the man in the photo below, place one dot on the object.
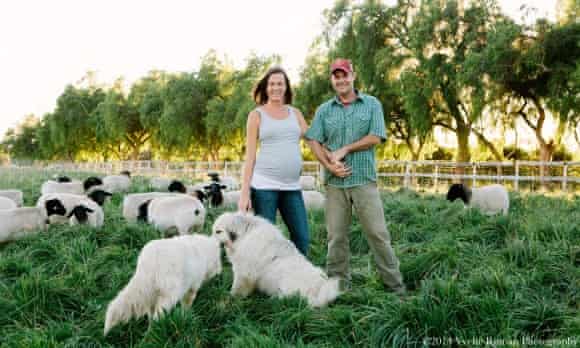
(343, 135)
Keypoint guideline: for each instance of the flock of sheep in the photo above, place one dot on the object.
(171, 270)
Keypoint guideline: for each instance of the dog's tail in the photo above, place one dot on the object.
(328, 292)
(135, 300)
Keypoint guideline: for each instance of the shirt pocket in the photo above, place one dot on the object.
(332, 125)
(362, 125)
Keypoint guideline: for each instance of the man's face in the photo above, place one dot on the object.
(342, 82)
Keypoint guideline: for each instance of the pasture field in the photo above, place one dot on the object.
(472, 279)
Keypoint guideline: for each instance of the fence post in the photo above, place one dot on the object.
(473, 174)
(517, 176)
(565, 179)
(407, 173)
(436, 178)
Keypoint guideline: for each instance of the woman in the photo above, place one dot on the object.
(271, 176)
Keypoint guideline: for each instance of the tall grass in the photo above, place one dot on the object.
(470, 276)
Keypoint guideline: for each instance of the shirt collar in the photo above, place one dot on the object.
(336, 100)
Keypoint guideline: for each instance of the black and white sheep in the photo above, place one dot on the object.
(185, 213)
(58, 207)
(132, 202)
(313, 200)
(51, 186)
(117, 183)
(491, 199)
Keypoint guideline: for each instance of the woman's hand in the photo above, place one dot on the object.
(244, 203)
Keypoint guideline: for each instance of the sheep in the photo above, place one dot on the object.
(15, 195)
(62, 178)
(214, 194)
(7, 203)
(182, 212)
(132, 202)
(58, 205)
(229, 182)
(91, 183)
(99, 196)
(18, 222)
(176, 186)
(491, 199)
(231, 198)
(313, 199)
(166, 184)
(308, 182)
(117, 183)
(85, 212)
(74, 187)
(168, 271)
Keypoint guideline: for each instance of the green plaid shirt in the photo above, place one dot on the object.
(335, 126)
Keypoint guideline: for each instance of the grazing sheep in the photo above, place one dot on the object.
(99, 196)
(58, 205)
(19, 222)
(7, 203)
(214, 194)
(491, 199)
(117, 183)
(182, 212)
(308, 182)
(74, 187)
(176, 186)
(313, 199)
(263, 258)
(15, 195)
(87, 212)
(229, 182)
(92, 182)
(62, 178)
(132, 202)
(168, 271)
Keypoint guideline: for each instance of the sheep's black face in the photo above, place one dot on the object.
(80, 212)
(200, 195)
(214, 194)
(54, 207)
(99, 196)
(63, 179)
(215, 177)
(457, 191)
(176, 186)
(126, 172)
(92, 181)
(143, 211)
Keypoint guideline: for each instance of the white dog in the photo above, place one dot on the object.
(263, 258)
(168, 271)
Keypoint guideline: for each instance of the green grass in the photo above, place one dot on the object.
(470, 276)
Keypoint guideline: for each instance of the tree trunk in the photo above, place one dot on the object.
(463, 153)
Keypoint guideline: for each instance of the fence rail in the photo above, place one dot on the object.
(426, 175)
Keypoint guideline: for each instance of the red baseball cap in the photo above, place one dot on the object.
(341, 64)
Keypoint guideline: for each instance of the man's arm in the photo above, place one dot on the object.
(364, 143)
(337, 168)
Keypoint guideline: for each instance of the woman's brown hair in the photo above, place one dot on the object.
(260, 95)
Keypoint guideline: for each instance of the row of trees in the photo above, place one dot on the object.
(459, 66)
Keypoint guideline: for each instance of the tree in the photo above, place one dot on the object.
(22, 142)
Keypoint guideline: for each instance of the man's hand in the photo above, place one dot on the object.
(339, 169)
(338, 155)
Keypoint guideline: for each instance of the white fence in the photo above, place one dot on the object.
(421, 175)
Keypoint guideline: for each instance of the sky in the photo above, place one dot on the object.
(45, 45)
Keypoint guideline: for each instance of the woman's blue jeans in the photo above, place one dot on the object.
(292, 209)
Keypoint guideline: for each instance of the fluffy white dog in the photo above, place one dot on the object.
(168, 271)
(263, 258)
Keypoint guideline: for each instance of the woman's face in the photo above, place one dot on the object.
(276, 88)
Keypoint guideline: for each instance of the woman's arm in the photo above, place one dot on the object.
(252, 126)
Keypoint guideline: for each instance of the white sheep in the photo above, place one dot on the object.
(132, 202)
(231, 198)
(117, 183)
(308, 182)
(58, 207)
(15, 195)
(491, 199)
(313, 199)
(168, 271)
(7, 203)
(19, 222)
(182, 212)
(51, 186)
(87, 212)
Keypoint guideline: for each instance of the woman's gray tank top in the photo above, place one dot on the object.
(279, 161)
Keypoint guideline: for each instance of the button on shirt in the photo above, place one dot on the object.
(336, 125)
